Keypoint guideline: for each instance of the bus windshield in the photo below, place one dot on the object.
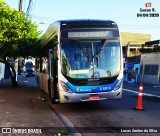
(90, 59)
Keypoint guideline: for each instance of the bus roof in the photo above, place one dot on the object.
(84, 20)
(74, 24)
(84, 23)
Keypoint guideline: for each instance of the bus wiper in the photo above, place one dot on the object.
(97, 56)
(102, 49)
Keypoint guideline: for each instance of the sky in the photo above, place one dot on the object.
(123, 12)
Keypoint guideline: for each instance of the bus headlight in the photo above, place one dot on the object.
(118, 84)
(65, 87)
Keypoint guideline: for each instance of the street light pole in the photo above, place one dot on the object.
(20, 5)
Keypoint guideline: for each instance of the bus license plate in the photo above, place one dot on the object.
(94, 97)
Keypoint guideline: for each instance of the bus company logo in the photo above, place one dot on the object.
(93, 89)
(6, 130)
(148, 4)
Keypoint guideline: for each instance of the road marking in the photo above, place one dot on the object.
(146, 94)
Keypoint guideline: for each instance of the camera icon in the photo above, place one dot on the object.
(149, 4)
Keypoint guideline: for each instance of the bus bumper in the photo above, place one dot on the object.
(83, 97)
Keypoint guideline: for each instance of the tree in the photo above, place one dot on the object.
(18, 37)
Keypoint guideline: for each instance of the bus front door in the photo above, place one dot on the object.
(52, 83)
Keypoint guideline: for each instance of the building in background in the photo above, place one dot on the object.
(134, 38)
(150, 68)
(133, 46)
(141, 58)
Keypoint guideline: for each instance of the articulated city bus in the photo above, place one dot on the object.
(81, 60)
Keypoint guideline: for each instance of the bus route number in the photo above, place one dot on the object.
(105, 88)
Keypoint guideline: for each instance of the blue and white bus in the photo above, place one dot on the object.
(81, 60)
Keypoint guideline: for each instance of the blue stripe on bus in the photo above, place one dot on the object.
(98, 88)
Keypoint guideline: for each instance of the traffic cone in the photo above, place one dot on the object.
(139, 101)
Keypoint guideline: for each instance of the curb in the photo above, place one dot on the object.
(72, 131)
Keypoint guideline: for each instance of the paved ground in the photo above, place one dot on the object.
(22, 81)
(24, 106)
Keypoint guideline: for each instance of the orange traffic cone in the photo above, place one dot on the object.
(139, 101)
